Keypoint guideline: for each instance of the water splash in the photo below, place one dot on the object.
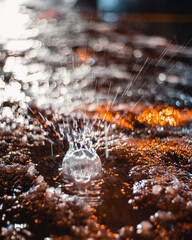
(81, 165)
(81, 162)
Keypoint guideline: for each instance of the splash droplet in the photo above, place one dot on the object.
(81, 165)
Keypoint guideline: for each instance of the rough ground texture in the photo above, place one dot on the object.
(62, 69)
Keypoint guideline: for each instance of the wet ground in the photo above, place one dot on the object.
(63, 72)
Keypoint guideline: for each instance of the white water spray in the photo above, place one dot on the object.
(81, 162)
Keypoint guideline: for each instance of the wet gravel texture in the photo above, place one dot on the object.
(64, 72)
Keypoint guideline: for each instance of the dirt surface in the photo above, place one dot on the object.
(62, 74)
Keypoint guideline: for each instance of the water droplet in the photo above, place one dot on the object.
(81, 164)
(137, 53)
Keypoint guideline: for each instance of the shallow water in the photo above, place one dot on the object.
(63, 71)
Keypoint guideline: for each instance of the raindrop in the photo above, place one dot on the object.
(81, 165)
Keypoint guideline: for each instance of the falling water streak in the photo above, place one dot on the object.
(161, 58)
(136, 103)
(127, 88)
(171, 68)
(30, 109)
(41, 115)
(93, 123)
(148, 65)
(133, 68)
(114, 99)
(134, 78)
(118, 90)
(141, 88)
(141, 69)
(129, 84)
(106, 140)
(164, 52)
(166, 49)
(140, 98)
(178, 50)
(61, 132)
(54, 129)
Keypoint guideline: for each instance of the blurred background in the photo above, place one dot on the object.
(141, 6)
(171, 19)
(168, 18)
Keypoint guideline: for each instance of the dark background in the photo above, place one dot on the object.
(142, 6)
(171, 19)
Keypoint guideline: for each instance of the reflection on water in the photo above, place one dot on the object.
(60, 74)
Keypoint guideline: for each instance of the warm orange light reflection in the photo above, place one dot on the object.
(83, 54)
(117, 117)
(158, 115)
(165, 116)
(156, 151)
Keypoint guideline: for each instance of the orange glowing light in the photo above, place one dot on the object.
(155, 151)
(36, 220)
(117, 117)
(83, 54)
(103, 226)
(159, 115)
(123, 191)
(165, 116)
(89, 208)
